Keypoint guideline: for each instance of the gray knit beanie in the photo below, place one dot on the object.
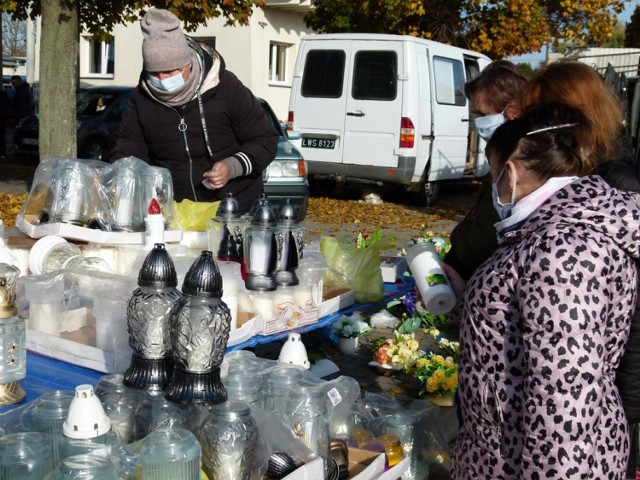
(164, 46)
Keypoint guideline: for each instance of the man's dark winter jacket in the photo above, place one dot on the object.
(237, 125)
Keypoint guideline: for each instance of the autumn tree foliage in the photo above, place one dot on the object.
(632, 32)
(63, 20)
(499, 28)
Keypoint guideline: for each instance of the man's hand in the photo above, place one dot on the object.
(217, 177)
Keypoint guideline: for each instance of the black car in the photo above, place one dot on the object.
(99, 113)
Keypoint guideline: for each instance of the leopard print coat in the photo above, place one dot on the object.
(543, 327)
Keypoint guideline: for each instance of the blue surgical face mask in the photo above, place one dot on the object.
(488, 124)
(169, 84)
(503, 209)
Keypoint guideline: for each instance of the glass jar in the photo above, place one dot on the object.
(170, 455)
(85, 466)
(122, 405)
(25, 456)
(278, 384)
(229, 442)
(403, 426)
(50, 253)
(306, 413)
(244, 385)
(361, 437)
(392, 447)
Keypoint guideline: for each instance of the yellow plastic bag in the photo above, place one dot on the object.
(194, 216)
(358, 264)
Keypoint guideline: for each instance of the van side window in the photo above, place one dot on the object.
(375, 75)
(449, 78)
(323, 74)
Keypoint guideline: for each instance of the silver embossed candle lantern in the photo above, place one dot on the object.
(13, 353)
(229, 440)
(226, 232)
(148, 322)
(291, 243)
(261, 249)
(200, 327)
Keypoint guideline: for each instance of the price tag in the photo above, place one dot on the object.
(334, 396)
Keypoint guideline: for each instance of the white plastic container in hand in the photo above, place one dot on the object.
(432, 282)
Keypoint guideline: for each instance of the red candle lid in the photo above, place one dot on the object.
(154, 207)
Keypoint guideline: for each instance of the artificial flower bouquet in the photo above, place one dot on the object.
(350, 326)
(400, 352)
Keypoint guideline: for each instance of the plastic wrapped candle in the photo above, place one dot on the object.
(13, 353)
(291, 240)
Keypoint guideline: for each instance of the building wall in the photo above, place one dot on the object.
(244, 49)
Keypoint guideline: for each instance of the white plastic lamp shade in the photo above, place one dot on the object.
(86, 417)
(294, 352)
(40, 250)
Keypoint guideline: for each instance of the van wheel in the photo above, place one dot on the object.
(428, 193)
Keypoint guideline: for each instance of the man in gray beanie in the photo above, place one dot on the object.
(191, 115)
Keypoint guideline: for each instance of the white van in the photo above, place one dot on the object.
(386, 108)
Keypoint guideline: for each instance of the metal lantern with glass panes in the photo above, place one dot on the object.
(200, 327)
(291, 244)
(261, 249)
(148, 322)
(13, 353)
(226, 232)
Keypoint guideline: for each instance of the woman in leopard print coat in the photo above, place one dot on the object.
(545, 320)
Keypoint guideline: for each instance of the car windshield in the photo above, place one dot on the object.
(91, 103)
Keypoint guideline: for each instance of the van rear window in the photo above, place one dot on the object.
(323, 74)
(375, 75)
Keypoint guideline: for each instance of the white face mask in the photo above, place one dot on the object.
(169, 84)
(488, 124)
(503, 209)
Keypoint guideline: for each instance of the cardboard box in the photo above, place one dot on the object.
(75, 232)
(396, 471)
(365, 464)
(313, 470)
(293, 315)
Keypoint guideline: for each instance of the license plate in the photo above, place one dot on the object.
(310, 142)
(30, 141)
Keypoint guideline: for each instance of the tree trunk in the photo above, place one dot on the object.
(58, 79)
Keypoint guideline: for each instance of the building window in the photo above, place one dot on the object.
(278, 62)
(98, 57)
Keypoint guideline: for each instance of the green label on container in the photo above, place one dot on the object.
(436, 279)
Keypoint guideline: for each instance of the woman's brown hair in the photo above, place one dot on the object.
(579, 85)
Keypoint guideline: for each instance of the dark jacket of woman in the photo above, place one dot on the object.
(543, 328)
(173, 137)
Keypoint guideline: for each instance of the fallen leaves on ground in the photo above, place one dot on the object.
(10, 205)
(385, 216)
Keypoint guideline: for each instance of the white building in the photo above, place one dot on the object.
(623, 60)
(261, 54)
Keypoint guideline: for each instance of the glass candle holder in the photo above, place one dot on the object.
(392, 447)
(261, 249)
(126, 198)
(149, 312)
(123, 406)
(229, 442)
(70, 200)
(290, 245)
(402, 425)
(25, 456)
(278, 384)
(13, 349)
(226, 232)
(200, 327)
(244, 385)
(50, 253)
(90, 466)
(170, 455)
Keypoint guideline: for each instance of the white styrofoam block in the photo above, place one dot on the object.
(75, 232)
(392, 268)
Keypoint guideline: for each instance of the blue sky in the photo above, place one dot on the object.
(536, 58)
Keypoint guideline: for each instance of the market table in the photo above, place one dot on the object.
(46, 373)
